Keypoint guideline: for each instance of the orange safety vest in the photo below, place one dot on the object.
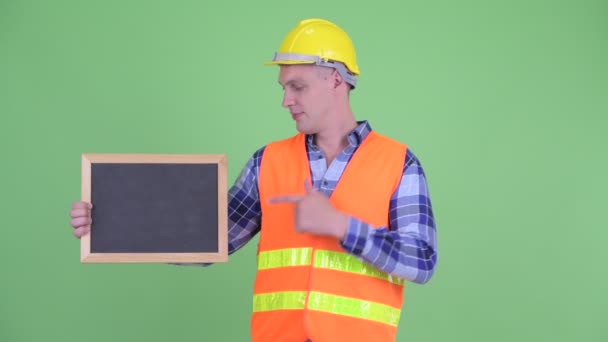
(307, 286)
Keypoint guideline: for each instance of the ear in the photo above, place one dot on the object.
(338, 80)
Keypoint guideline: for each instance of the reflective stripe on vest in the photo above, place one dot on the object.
(288, 300)
(284, 258)
(295, 300)
(347, 263)
(323, 259)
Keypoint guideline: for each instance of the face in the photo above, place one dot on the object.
(307, 96)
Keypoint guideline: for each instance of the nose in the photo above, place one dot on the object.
(287, 99)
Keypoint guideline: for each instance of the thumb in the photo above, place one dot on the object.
(308, 186)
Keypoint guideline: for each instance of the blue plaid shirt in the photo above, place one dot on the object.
(407, 248)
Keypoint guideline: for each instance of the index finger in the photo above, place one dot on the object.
(285, 199)
(82, 205)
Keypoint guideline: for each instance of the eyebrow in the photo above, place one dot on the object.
(291, 82)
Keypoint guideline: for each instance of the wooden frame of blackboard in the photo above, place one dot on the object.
(87, 256)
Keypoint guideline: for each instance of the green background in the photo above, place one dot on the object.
(504, 103)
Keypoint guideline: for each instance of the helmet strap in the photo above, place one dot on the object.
(340, 67)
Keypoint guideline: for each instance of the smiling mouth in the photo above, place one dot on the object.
(296, 116)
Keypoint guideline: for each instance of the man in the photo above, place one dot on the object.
(343, 213)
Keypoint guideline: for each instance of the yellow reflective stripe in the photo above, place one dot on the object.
(289, 300)
(347, 263)
(354, 308)
(284, 258)
(323, 259)
(346, 306)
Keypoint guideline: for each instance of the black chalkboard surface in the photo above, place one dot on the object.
(155, 208)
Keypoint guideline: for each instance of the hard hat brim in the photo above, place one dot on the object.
(288, 62)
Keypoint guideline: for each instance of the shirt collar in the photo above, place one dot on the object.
(355, 137)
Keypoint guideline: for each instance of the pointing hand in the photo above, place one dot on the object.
(315, 214)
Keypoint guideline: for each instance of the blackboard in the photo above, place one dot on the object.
(155, 208)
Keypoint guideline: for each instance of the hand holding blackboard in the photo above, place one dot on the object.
(152, 208)
(81, 218)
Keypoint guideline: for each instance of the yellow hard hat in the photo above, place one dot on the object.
(319, 42)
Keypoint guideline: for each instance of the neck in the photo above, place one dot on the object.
(340, 121)
(333, 139)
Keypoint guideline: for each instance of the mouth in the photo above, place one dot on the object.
(296, 116)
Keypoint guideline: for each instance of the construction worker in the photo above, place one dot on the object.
(344, 213)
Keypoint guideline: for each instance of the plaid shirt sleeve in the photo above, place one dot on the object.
(408, 247)
(244, 211)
